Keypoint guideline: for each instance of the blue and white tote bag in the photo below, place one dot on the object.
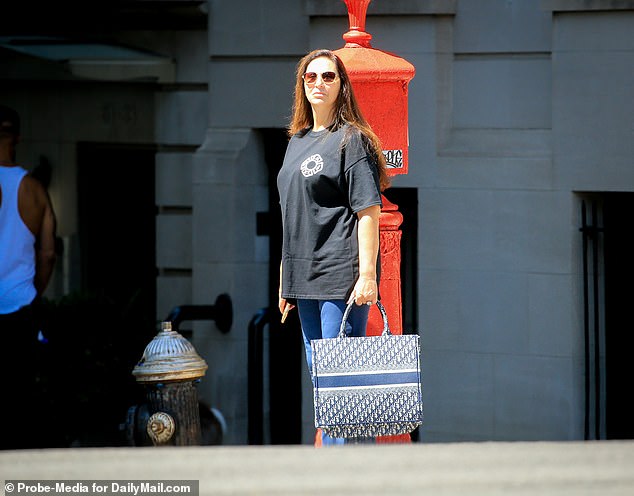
(367, 386)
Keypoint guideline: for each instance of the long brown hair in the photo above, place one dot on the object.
(347, 110)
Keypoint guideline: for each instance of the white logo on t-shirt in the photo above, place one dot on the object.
(312, 165)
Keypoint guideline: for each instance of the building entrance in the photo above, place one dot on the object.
(608, 252)
(117, 217)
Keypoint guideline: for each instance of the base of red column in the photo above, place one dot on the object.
(400, 439)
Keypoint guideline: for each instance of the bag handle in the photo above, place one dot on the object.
(342, 328)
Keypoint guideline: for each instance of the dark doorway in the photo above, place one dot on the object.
(286, 355)
(96, 335)
(618, 211)
(608, 269)
(117, 216)
(407, 201)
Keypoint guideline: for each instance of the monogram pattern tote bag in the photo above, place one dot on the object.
(367, 386)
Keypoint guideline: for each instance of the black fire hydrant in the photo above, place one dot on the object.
(169, 371)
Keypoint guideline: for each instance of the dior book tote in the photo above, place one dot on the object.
(367, 386)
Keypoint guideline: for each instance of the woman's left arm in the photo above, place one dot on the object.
(366, 288)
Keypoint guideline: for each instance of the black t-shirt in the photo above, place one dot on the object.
(326, 178)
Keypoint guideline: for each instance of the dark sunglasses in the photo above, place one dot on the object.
(327, 77)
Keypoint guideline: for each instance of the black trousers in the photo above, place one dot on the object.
(22, 415)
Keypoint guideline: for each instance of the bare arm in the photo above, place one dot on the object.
(37, 213)
(366, 288)
(45, 248)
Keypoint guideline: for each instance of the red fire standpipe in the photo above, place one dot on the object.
(380, 81)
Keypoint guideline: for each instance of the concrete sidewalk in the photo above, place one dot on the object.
(603, 468)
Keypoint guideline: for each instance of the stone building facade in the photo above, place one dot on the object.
(520, 119)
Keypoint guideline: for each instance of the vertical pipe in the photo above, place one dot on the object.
(595, 289)
(586, 321)
(255, 367)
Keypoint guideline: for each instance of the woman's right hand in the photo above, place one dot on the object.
(284, 307)
(282, 304)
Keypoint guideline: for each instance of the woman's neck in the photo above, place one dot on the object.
(322, 120)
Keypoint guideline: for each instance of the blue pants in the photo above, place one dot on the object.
(322, 319)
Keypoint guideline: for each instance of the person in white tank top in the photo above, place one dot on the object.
(27, 258)
(27, 225)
